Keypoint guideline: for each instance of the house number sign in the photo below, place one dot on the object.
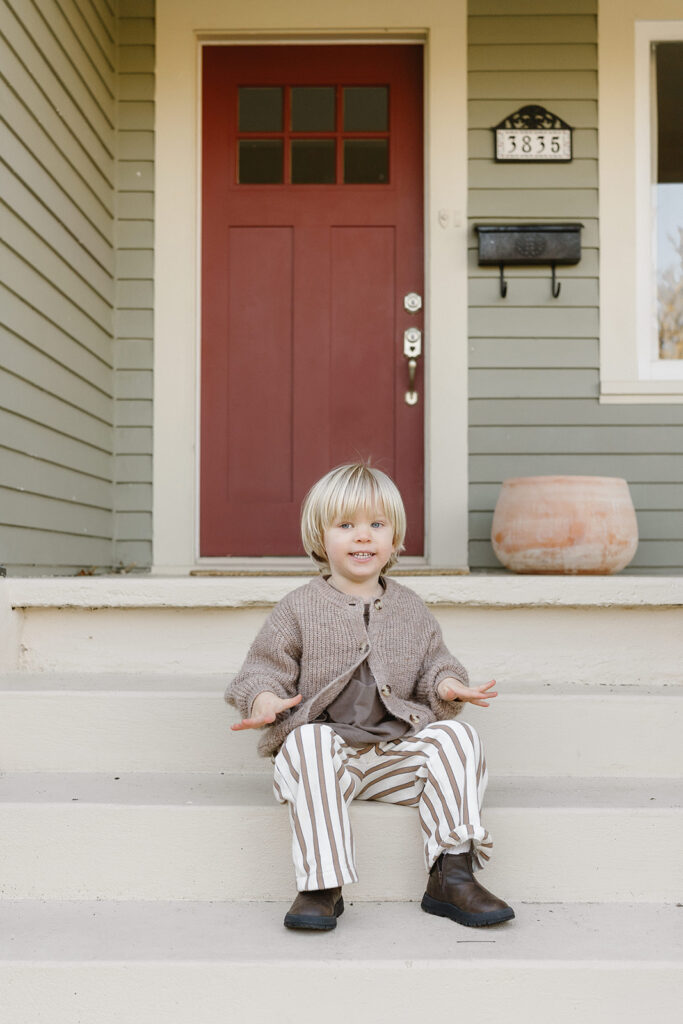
(533, 133)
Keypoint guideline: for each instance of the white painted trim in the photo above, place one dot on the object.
(263, 591)
(651, 392)
(650, 366)
(181, 29)
(291, 564)
(630, 369)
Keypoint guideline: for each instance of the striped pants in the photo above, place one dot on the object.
(441, 771)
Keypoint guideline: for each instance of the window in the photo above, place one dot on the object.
(667, 195)
(313, 135)
(641, 201)
(659, 199)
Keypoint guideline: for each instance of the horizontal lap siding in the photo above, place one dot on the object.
(57, 165)
(533, 377)
(134, 288)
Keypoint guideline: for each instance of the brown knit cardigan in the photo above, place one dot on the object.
(315, 638)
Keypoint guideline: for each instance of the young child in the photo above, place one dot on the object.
(358, 694)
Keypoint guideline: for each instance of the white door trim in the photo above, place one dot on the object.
(182, 29)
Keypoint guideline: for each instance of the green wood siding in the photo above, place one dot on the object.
(57, 141)
(76, 202)
(76, 297)
(534, 360)
(135, 286)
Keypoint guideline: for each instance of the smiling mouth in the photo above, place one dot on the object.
(362, 556)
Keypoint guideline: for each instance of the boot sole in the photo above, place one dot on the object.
(440, 909)
(315, 924)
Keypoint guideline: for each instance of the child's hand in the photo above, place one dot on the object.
(264, 709)
(451, 689)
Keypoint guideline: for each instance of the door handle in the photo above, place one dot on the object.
(412, 350)
(411, 395)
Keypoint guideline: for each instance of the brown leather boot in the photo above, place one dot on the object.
(317, 910)
(452, 891)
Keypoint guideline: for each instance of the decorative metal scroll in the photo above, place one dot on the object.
(533, 133)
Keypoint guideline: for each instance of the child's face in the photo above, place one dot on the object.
(359, 546)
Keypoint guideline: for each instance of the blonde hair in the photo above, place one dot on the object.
(342, 492)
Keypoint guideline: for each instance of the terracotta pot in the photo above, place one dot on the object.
(565, 524)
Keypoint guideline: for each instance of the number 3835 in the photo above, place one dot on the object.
(533, 145)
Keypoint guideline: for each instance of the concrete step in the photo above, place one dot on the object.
(180, 723)
(539, 629)
(105, 963)
(221, 836)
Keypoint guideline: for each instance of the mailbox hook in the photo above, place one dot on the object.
(503, 283)
(554, 283)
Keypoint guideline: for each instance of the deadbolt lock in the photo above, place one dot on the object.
(412, 302)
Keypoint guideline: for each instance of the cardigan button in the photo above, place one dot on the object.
(364, 647)
(385, 691)
(414, 718)
(378, 605)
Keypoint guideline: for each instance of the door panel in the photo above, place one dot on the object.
(303, 276)
(259, 403)
(362, 326)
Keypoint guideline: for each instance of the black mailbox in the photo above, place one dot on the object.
(529, 244)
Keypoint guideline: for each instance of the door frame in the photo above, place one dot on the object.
(182, 31)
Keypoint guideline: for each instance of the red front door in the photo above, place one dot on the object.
(311, 239)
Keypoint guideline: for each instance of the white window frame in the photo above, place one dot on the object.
(650, 366)
(630, 367)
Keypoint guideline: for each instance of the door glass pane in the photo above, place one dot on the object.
(260, 109)
(366, 161)
(313, 162)
(366, 108)
(260, 162)
(669, 199)
(313, 109)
